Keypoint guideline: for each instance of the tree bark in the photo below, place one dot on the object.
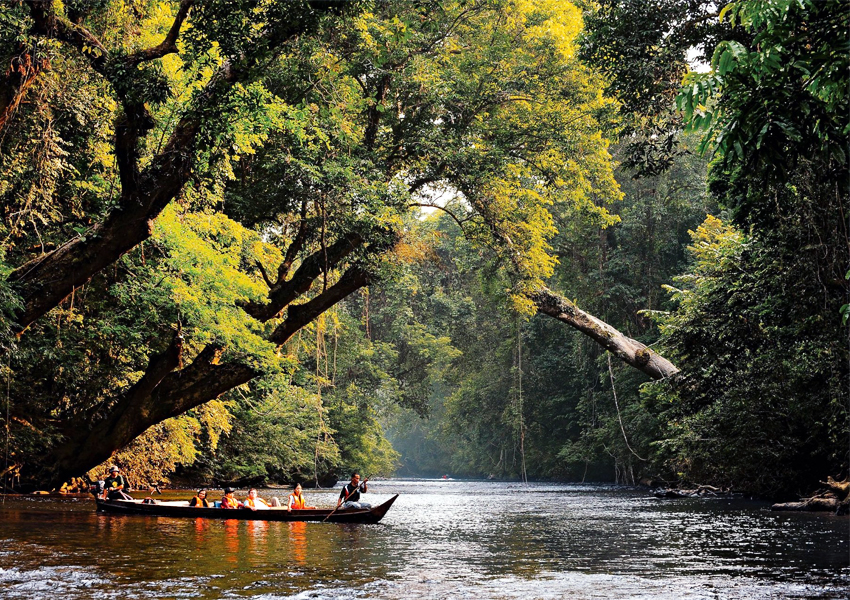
(163, 393)
(630, 351)
(300, 314)
(283, 293)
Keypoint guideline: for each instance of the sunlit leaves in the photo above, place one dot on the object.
(204, 276)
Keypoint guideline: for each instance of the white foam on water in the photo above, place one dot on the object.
(57, 582)
(576, 586)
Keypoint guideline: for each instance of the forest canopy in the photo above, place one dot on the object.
(272, 241)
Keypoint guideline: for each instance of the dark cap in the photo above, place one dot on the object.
(229, 490)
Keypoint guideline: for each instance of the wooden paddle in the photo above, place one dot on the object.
(359, 485)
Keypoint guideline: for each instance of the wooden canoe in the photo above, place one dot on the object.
(183, 510)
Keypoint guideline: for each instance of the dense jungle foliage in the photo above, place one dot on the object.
(263, 241)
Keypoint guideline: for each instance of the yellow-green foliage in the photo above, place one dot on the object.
(485, 101)
(714, 248)
(154, 454)
(204, 276)
(536, 145)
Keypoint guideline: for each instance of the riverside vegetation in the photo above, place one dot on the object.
(273, 241)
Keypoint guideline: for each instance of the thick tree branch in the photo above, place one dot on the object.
(265, 275)
(204, 380)
(169, 44)
(300, 315)
(373, 114)
(89, 446)
(295, 246)
(49, 24)
(47, 280)
(628, 350)
(161, 394)
(283, 293)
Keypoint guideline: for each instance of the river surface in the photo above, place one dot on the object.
(442, 540)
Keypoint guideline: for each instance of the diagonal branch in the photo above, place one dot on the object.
(444, 209)
(204, 380)
(47, 280)
(169, 44)
(630, 351)
(112, 430)
(295, 246)
(300, 315)
(161, 394)
(264, 274)
(283, 293)
(48, 23)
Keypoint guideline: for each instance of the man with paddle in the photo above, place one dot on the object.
(116, 486)
(349, 497)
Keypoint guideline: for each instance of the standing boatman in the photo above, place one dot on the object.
(349, 497)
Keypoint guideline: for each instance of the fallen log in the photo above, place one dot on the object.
(836, 499)
(814, 504)
(840, 488)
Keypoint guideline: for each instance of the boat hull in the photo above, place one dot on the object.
(182, 510)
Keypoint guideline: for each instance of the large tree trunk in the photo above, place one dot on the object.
(159, 395)
(163, 393)
(630, 351)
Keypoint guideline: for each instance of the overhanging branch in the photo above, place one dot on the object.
(300, 315)
(47, 280)
(283, 293)
(169, 44)
(625, 348)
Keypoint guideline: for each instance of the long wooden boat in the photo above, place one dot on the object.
(182, 509)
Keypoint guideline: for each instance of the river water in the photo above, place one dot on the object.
(442, 540)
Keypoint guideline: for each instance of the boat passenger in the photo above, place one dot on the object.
(254, 502)
(349, 497)
(116, 486)
(229, 500)
(200, 500)
(296, 499)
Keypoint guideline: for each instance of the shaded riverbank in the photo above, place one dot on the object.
(443, 539)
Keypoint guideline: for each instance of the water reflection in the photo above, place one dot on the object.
(230, 544)
(298, 542)
(441, 540)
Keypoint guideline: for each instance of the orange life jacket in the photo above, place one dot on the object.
(297, 501)
(229, 502)
(203, 502)
(252, 503)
